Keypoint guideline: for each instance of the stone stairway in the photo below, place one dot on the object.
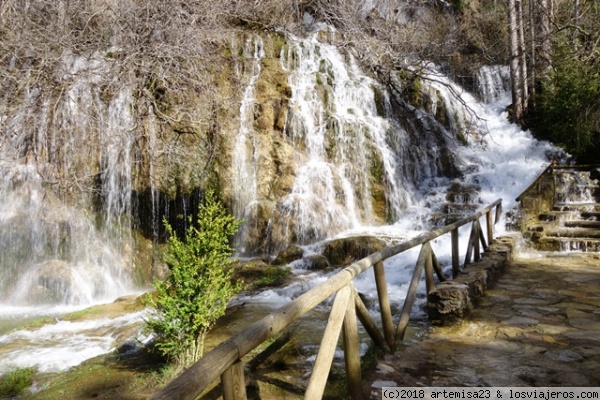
(562, 212)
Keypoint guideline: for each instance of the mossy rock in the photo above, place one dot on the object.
(288, 255)
(257, 274)
(344, 251)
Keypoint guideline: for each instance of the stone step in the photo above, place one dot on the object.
(553, 216)
(570, 233)
(591, 215)
(577, 207)
(568, 244)
(581, 224)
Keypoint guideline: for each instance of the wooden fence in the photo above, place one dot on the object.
(225, 360)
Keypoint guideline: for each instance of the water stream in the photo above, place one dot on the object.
(342, 124)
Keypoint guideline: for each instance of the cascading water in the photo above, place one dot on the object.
(363, 158)
(341, 147)
(245, 154)
(51, 251)
(65, 230)
(493, 83)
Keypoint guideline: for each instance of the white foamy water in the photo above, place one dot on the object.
(61, 345)
(500, 158)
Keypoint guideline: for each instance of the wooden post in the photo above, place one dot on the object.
(429, 282)
(411, 294)
(365, 319)
(234, 384)
(351, 350)
(455, 262)
(476, 248)
(384, 304)
(437, 268)
(320, 373)
(469, 253)
(498, 212)
(490, 227)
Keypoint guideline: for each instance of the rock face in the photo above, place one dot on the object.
(297, 141)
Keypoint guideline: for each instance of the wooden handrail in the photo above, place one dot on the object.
(554, 166)
(224, 360)
(548, 170)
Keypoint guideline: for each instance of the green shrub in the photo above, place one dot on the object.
(198, 286)
(15, 381)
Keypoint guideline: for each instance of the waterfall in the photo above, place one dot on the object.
(340, 143)
(53, 251)
(245, 153)
(356, 156)
(493, 82)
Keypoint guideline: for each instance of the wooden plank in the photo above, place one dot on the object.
(320, 372)
(469, 253)
(370, 326)
(455, 254)
(234, 383)
(411, 295)
(384, 303)
(351, 350)
(482, 239)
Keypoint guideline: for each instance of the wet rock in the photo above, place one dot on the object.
(288, 255)
(344, 251)
(316, 262)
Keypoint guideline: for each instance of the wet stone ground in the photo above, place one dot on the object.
(537, 325)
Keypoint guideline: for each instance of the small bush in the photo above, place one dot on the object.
(198, 286)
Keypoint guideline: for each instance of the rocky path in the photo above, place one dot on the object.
(537, 325)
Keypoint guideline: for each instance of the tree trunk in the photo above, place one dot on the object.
(576, 23)
(546, 9)
(515, 70)
(522, 55)
(532, 55)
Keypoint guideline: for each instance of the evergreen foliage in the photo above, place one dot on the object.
(198, 286)
(567, 108)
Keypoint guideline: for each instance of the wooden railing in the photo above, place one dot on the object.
(536, 183)
(225, 360)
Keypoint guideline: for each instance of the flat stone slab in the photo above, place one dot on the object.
(515, 341)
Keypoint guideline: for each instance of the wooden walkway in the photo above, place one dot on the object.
(537, 325)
